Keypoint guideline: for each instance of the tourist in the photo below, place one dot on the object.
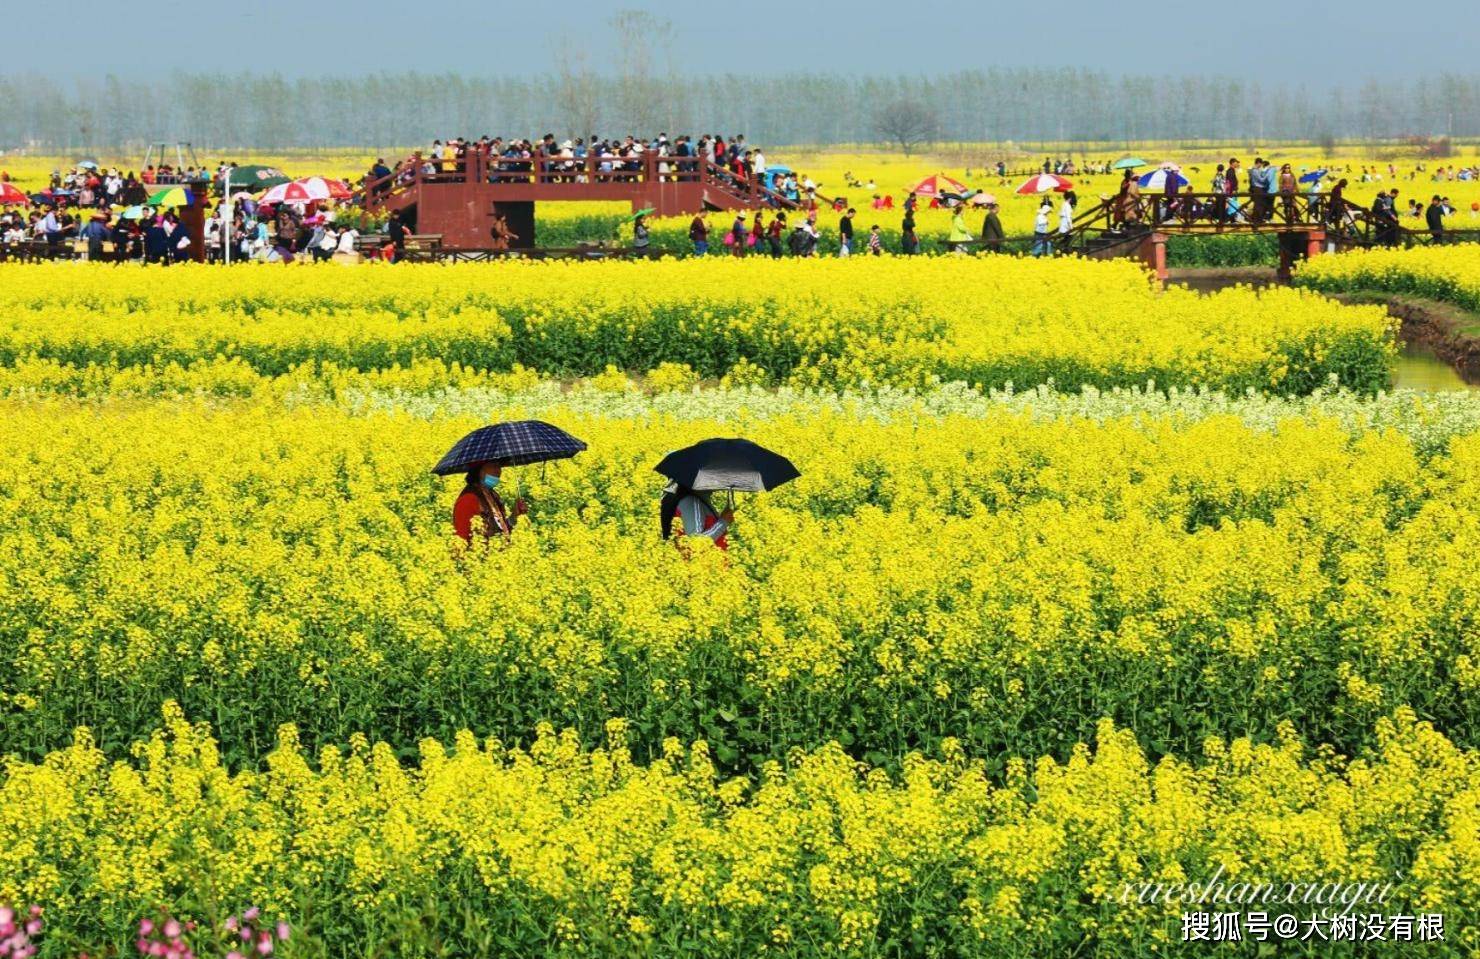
(397, 232)
(736, 237)
(757, 239)
(696, 516)
(959, 236)
(480, 499)
(845, 233)
(699, 235)
(1435, 220)
(1042, 244)
(992, 233)
(773, 234)
(875, 241)
(1066, 217)
(1286, 186)
(640, 236)
(909, 239)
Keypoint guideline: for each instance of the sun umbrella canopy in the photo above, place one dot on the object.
(1157, 179)
(1128, 163)
(937, 185)
(307, 190)
(254, 177)
(1043, 183)
(1313, 176)
(509, 444)
(172, 196)
(645, 211)
(131, 213)
(87, 164)
(727, 464)
(10, 195)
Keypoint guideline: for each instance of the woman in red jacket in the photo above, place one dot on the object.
(480, 499)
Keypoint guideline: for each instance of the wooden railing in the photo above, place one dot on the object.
(478, 166)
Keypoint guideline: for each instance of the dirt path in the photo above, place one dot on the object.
(1451, 333)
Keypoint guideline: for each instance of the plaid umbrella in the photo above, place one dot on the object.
(509, 444)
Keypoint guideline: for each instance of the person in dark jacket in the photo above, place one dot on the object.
(992, 233)
(1434, 217)
(397, 232)
(157, 243)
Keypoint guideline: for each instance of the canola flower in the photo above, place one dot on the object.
(556, 849)
(992, 575)
(822, 323)
(1448, 273)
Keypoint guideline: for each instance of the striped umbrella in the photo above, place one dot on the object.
(307, 190)
(9, 195)
(1157, 179)
(1044, 183)
(172, 196)
(938, 184)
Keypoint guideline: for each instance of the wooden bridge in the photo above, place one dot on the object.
(480, 201)
(1306, 225)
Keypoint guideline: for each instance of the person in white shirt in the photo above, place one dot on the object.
(347, 240)
(1066, 213)
(1041, 243)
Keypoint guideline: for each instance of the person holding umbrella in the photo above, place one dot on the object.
(992, 233)
(710, 466)
(482, 455)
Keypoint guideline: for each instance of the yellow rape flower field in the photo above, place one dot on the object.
(1083, 586)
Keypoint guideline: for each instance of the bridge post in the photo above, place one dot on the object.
(1153, 253)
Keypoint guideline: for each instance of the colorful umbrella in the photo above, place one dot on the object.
(1043, 183)
(1157, 179)
(306, 190)
(9, 195)
(172, 196)
(1128, 163)
(938, 184)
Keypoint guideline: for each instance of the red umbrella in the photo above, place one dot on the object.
(1043, 183)
(936, 184)
(10, 196)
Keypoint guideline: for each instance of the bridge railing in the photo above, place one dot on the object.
(480, 166)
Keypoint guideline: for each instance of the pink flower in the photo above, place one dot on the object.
(230, 924)
(35, 910)
(283, 931)
(251, 914)
(143, 946)
(246, 933)
(264, 944)
(172, 929)
(146, 926)
(157, 949)
(33, 927)
(233, 954)
(7, 915)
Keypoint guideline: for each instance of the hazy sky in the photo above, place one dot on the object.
(1311, 40)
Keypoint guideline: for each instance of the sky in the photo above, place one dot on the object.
(1312, 41)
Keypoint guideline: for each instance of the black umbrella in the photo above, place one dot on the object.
(509, 444)
(727, 464)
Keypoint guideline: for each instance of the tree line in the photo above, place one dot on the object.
(645, 96)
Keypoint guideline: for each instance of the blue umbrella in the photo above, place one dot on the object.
(1313, 176)
(87, 164)
(1157, 180)
(509, 444)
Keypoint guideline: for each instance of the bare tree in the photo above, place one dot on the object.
(578, 88)
(645, 54)
(908, 123)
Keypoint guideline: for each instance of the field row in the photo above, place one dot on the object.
(833, 324)
(483, 849)
(1451, 274)
(998, 577)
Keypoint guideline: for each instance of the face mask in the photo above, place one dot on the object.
(489, 482)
